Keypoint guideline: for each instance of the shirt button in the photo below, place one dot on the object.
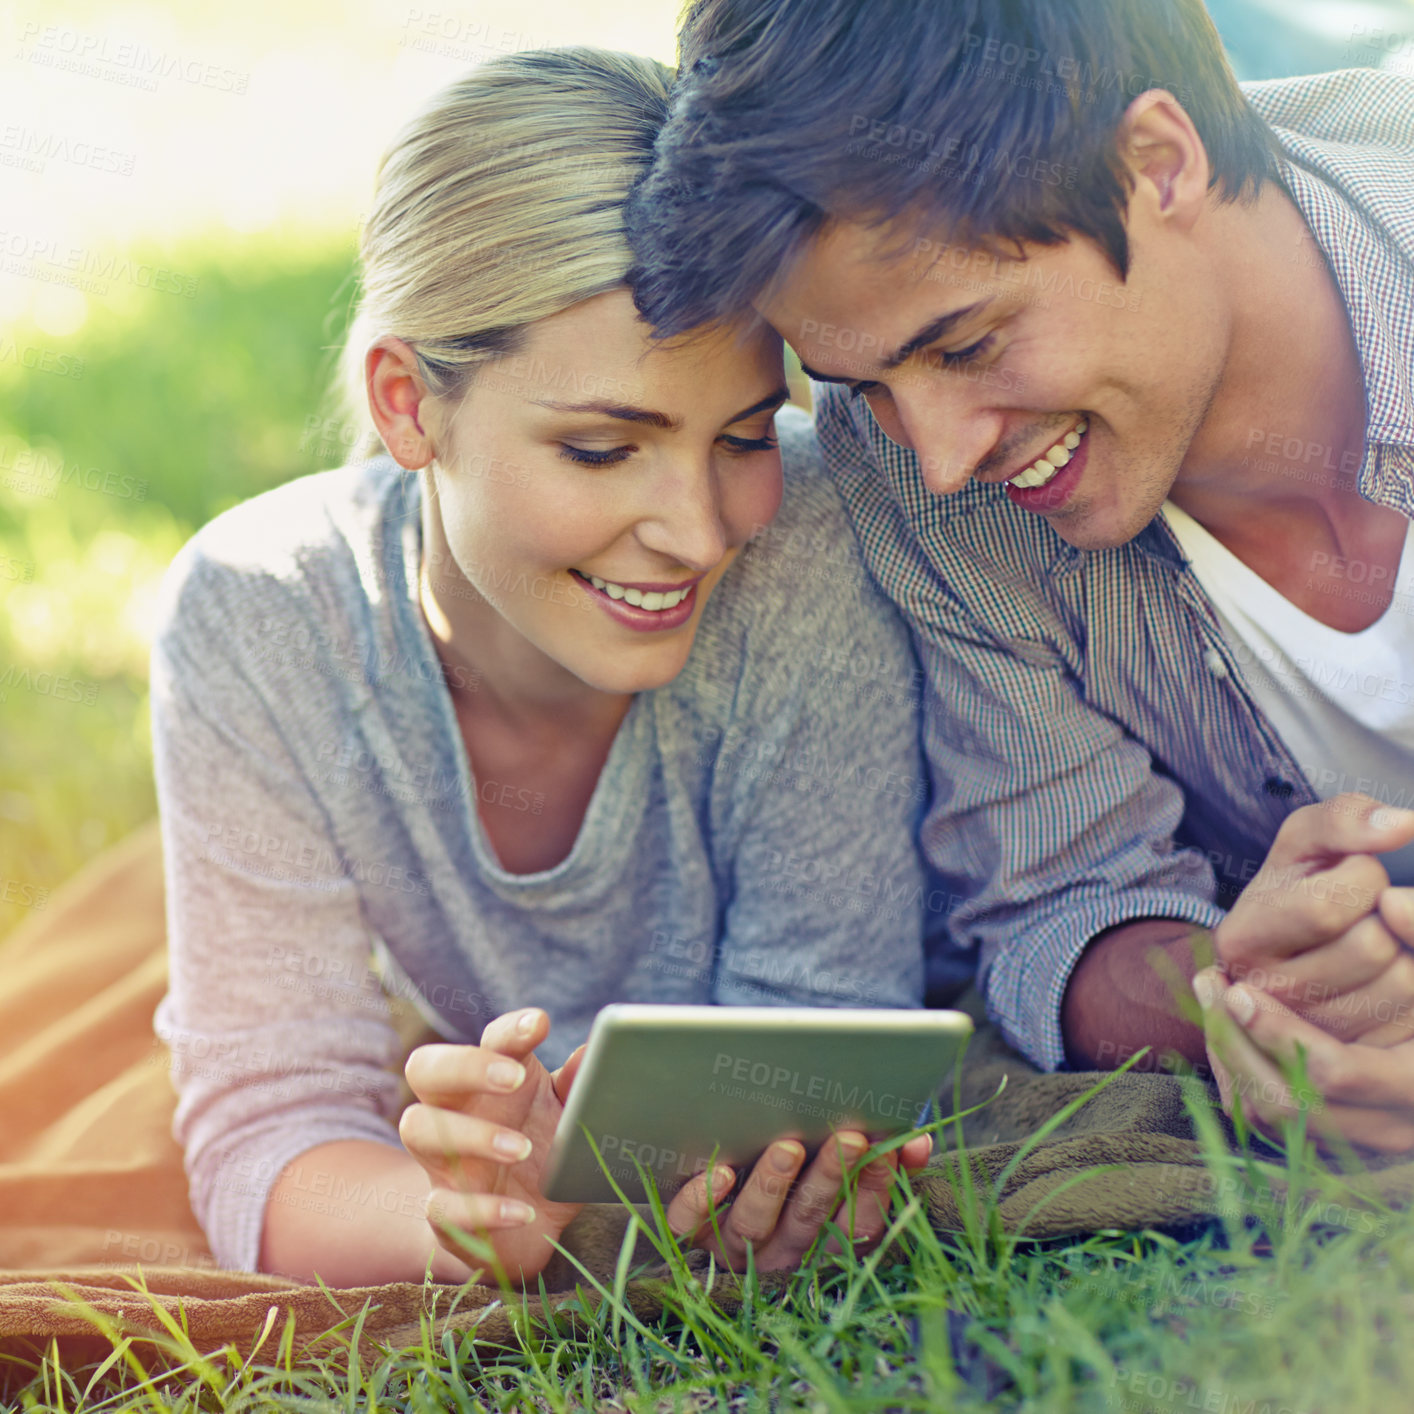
(1216, 665)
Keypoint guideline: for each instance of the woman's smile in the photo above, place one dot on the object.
(644, 608)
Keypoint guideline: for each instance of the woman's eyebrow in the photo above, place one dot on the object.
(771, 400)
(619, 412)
(624, 412)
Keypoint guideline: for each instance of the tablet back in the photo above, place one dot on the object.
(669, 1085)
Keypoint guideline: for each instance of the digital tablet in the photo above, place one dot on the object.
(669, 1086)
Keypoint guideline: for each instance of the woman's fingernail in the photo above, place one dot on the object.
(784, 1157)
(721, 1180)
(1388, 818)
(1241, 1005)
(513, 1146)
(852, 1148)
(526, 1024)
(1205, 988)
(505, 1074)
(514, 1211)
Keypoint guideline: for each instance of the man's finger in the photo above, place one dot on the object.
(1349, 962)
(1397, 911)
(1346, 1074)
(1292, 908)
(1347, 824)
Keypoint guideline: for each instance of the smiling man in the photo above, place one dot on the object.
(1118, 360)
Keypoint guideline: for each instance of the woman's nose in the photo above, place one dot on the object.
(684, 518)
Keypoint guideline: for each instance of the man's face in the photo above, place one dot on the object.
(984, 364)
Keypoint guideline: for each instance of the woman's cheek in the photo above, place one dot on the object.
(752, 501)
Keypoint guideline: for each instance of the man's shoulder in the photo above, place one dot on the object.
(1360, 107)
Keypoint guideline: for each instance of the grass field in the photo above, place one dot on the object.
(1280, 1316)
(184, 404)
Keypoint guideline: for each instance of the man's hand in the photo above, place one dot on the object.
(1357, 1092)
(1321, 930)
(779, 1221)
(482, 1131)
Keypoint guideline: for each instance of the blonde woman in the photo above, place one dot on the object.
(529, 715)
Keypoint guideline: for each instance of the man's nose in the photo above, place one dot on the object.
(944, 428)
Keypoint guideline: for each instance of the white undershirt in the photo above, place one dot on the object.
(1342, 702)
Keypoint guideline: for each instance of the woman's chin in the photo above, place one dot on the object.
(618, 675)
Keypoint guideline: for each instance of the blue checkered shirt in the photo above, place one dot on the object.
(1097, 756)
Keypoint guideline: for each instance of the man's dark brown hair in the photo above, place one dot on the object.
(988, 122)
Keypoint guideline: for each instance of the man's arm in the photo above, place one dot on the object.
(1121, 997)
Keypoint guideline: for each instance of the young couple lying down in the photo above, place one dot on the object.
(605, 681)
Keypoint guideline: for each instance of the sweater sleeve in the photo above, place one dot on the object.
(279, 1034)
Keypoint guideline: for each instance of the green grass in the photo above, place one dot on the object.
(184, 406)
(1261, 1311)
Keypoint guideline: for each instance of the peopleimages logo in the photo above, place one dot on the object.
(782, 1085)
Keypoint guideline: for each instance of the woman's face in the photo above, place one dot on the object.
(593, 487)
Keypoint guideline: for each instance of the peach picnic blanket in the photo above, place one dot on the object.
(93, 1195)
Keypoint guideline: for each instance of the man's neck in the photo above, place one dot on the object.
(1287, 425)
(1273, 473)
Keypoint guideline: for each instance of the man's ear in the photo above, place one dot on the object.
(399, 403)
(1165, 156)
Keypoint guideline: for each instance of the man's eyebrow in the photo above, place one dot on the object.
(942, 325)
(932, 332)
(619, 412)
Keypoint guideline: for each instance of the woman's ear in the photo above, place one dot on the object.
(1163, 151)
(399, 402)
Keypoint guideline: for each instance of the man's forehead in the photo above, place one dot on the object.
(881, 281)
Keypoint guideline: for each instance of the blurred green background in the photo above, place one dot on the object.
(148, 410)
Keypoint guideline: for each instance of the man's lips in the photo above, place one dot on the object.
(1002, 477)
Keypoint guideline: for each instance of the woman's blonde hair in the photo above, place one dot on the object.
(499, 204)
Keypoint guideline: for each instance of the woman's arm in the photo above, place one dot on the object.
(280, 1037)
(354, 1212)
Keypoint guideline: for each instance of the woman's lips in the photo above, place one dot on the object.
(636, 616)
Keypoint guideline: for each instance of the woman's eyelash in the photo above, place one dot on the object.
(585, 457)
(861, 390)
(750, 444)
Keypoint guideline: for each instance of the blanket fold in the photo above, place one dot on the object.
(93, 1195)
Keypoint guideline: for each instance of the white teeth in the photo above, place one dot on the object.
(654, 601)
(1043, 469)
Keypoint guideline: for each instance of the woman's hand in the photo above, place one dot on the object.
(482, 1131)
(780, 1222)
